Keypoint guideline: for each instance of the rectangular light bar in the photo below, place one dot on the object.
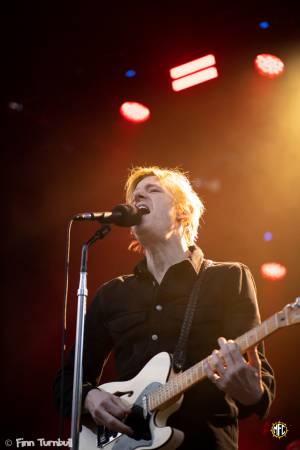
(193, 66)
(194, 72)
(195, 78)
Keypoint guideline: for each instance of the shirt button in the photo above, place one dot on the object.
(154, 337)
(158, 307)
(153, 282)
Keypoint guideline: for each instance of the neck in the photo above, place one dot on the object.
(165, 254)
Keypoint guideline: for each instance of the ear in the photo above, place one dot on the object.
(181, 216)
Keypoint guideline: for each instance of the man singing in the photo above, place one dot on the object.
(140, 315)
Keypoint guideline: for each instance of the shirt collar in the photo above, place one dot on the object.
(195, 258)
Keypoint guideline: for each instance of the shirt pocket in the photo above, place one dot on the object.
(206, 328)
(126, 324)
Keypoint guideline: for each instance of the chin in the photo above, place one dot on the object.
(144, 233)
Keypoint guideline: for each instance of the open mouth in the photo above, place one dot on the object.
(143, 208)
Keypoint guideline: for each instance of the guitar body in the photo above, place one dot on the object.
(155, 434)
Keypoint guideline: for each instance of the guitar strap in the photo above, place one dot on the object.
(179, 355)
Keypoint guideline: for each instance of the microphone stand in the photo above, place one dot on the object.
(82, 294)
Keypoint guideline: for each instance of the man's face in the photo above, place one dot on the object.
(161, 222)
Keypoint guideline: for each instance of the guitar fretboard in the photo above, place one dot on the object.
(181, 382)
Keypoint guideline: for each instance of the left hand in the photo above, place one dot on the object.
(231, 373)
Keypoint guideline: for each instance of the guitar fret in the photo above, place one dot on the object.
(250, 339)
(260, 333)
(195, 377)
(268, 326)
(199, 369)
(275, 321)
(184, 379)
(175, 380)
(171, 389)
(240, 342)
(164, 394)
(160, 395)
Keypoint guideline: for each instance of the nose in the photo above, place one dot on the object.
(138, 196)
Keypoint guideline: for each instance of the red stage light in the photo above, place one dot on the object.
(134, 112)
(273, 271)
(193, 72)
(268, 65)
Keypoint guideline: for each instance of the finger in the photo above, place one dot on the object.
(218, 362)
(235, 353)
(125, 407)
(115, 409)
(211, 375)
(225, 352)
(253, 358)
(112, 423)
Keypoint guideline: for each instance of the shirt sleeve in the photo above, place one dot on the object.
(241, 315)
(96, 348)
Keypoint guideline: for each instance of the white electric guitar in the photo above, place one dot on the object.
(156, 392)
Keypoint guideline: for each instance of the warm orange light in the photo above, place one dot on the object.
(134, 112)
(273, 271)
(193, 66)
(195, 78)
(268, 65)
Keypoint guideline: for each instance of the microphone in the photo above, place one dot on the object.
(122, 215)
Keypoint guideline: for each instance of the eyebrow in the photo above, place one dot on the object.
(149, 186)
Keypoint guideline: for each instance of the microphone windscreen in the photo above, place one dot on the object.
(126, 215)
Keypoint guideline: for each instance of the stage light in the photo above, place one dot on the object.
(273, 271)
(193, 72)
(212, 185)
(193, 66)
(130, 73)
(264, 25)
(268, 236)
(16, 106)
(134, 112)
(268, 65)
(195, 78)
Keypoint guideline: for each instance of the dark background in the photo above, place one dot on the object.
(68, 151)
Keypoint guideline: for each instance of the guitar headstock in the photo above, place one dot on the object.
(292, 312)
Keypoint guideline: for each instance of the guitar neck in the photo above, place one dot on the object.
(179, 383)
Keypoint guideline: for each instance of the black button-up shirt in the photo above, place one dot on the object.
(138, 318)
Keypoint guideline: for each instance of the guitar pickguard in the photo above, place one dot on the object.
(141, 426)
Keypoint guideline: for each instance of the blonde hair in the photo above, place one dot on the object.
(187, 201)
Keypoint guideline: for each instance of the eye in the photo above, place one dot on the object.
(154, 190)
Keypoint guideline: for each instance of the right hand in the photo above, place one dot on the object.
(106, 409)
